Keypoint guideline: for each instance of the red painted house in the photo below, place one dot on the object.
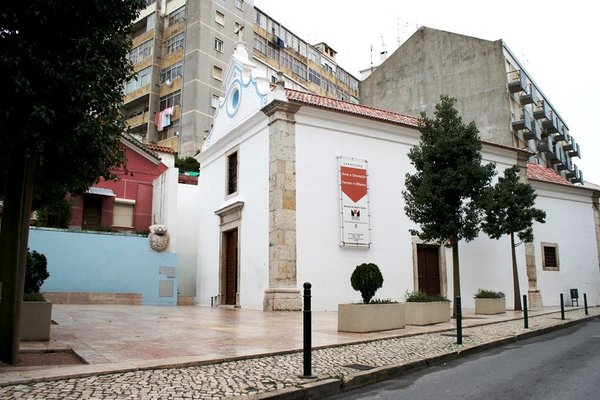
(126, 203)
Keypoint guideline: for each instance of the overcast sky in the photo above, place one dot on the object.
(556, 41)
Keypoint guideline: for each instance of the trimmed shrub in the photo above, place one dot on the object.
(36, 272)
(366, 279)
(418, 296)
(488, 294)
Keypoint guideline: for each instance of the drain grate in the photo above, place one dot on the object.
(360, 367)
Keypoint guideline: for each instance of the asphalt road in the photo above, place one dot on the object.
(561, 365)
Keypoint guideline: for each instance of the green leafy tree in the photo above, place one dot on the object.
(62, 68)
(187, 164)
(444, 196)
(366, 279)
(510, 209)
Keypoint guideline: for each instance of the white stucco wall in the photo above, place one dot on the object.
(188, 197)
(252, 145)
(570, 224)
(485, 263)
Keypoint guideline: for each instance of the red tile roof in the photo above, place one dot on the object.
(541, 173)
(162, 149)
(350, 108)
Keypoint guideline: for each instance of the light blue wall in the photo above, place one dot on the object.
(103, 262)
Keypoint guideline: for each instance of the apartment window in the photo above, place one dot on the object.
(176, 16)
(175, 43)
(232, 173)
(123, 213)
(314, 76)
(239, 4)
(273, 52)
(217, 73)
(550, 260)
(260, 44)
(150, 22)
(141, 52)
(136, 112)
(142, 78)
(170, 100)
(215, 100)
(220, 18)
(172, 130)
(170, 73)
(218, 45)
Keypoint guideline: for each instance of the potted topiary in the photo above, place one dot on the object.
(489, 302)
(36, 312)
(425, 309)
(372, 315)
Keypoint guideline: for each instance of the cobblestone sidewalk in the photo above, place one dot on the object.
(259, 377)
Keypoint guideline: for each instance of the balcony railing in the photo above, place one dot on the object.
(531, 96)
(517, 81)
(542, 110)
(575, 175)
(525, 123)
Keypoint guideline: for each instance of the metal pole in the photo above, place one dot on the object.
(525, 316)
(459, 335)
(584, 303)
(562, 307)
(307, 322)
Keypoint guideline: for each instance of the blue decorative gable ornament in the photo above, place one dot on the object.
(246, 92)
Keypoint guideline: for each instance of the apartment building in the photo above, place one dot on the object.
(491, 87)
(181, 50)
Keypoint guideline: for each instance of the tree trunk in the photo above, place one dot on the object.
(455, 275)
(516, 289)
(14, 235)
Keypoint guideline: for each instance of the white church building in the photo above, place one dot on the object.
(296, 188)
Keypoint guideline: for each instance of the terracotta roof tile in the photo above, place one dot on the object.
(350, 108)
(162, 149)
(541, 173)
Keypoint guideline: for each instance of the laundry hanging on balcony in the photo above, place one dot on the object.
(162, 118)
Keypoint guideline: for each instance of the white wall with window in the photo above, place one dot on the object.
(569, 237)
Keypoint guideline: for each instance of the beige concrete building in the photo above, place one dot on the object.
(181, 49)
(491, 87)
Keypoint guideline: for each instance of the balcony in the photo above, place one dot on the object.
(563, 132)
(517, 81)
(542, 110)
(562, 163)
(530, 96)
(575, 151)
(575, 175)
(137, 120)
(525, 124)
(535, 133)
(551, 125)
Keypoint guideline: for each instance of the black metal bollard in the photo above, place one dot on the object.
(525, 316)
(459, 335)
(307, 323)
(562, 307)
(585, 303)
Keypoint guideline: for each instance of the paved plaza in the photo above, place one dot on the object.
(141, 352)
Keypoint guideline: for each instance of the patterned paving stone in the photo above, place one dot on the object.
(245, 378)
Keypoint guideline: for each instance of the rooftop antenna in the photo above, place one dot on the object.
(383, 54)
(371, 57)
(398, 29)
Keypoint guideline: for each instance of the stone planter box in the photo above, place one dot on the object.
(427, 313)
(36, 317)
(370, 317)
(490, 306)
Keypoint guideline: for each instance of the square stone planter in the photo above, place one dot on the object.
(490, 306)
(36, 317)
(427, 313)
(363, 318)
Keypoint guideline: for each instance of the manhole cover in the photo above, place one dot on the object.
(360, 367)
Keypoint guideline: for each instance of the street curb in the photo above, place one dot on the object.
(330, 387)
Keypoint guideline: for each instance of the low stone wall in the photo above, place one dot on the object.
(93, 298)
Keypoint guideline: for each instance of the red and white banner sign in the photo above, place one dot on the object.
(354, 202)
